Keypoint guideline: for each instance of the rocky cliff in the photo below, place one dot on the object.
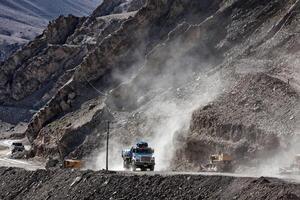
(21, 21)
(194, 76)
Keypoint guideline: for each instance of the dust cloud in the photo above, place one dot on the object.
(283, 158)
(166, 90)
(176, 116)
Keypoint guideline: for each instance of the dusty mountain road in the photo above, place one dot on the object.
(33, 165)
(26, 183)
(6, 161)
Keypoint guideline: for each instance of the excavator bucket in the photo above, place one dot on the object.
(73, 164)
(225, 157)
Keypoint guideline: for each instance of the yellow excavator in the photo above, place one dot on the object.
(66, 163)
(62, 162)
(219, 163)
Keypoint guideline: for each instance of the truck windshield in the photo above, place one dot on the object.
(143, 151)
(17, 144)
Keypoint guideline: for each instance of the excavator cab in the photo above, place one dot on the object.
(220, 163)
(214, 158)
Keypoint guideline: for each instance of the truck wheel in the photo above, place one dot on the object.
(152, 168)
(219, 168)
(125, 166)
(133, 168)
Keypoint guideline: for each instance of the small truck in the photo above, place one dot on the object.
(17, 147)
(293, 169)
(139, 156)
(17, 150)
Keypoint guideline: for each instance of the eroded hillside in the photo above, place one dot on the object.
(21, 20)
(191, 77)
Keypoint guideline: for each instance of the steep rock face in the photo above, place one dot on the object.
(205, 42)
(260, 112)
(71, 130)
(18, 70)
(61, 29)
(33, 75)
(52, 51)
(271, 106)
(118, 51)
(21, 20)
(235, 60)
(117, 6)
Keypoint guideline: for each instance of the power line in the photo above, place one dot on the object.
(98, 91)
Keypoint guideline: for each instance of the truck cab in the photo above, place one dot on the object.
(17, 147)
(139, 156)
(293, 169)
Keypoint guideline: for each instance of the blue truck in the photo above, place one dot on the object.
(139, 156)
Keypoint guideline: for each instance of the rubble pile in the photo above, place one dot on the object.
(67, 184)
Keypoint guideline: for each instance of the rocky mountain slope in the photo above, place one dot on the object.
(191, 77)
(42, 184)
(22, 20)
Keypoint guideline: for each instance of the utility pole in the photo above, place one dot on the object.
(107, 138)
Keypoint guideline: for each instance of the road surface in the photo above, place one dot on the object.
(6, 161)
(293, 178)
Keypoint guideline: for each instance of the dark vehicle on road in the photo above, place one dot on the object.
(139, 156)
(17, 147)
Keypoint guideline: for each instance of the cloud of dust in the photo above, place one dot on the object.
(166, 117)
(115, 161)
(281, 159)
(176, 116)
(174, 83)
(168, 97)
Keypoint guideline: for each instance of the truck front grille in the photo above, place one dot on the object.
(146, 159)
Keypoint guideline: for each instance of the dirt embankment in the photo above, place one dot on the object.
(64, 184)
